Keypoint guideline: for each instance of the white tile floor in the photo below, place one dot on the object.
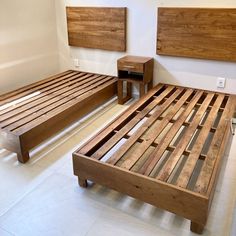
(42, 197)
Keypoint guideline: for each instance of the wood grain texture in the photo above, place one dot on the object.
(161, 195)
(134, 69)
(153, 150)
(97, 27)
(207, 33)
(57, 102)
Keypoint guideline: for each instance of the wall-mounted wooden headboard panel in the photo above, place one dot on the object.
(97, 27)
(197, 32)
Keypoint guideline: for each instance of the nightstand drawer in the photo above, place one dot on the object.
(129, 66)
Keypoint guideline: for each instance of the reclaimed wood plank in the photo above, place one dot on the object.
(57, 105)
(195, 153)
(51, 87)
(156, 130)
(206, 33)
(44, 97)
(209, 163)
(19, 93)
(156, 155)
(92, 143)
(97, 27)
(54, 99)
(133, 158)
(63, 108)
(152, 191)
(185, 140)
(127, 127)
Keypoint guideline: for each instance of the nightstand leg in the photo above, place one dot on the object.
(129, 89)
(120, 92)
(121, 98)
(150, 85)
(141, 89)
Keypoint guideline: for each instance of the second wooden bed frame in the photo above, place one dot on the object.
(165, 150)
(35, 112)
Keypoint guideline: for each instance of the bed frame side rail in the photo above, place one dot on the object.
(180, 201)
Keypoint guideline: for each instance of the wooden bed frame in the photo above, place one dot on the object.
(33, 113)
(165, 150)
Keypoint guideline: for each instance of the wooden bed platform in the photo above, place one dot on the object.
(165, 150)
(33, 113)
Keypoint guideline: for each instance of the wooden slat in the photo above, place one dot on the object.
(47, 107)
(53, 91)
(119, 120)
(156, 155)
(187, 123)
(207, 33)
(46, 91)
(170, 148)
(120, 134)
(210, 106)
(97, 27)
(62, 108)
(195, 153)
(64, 94)
(54, 86)
(32, 85)
(27, 90)
(221, 154)
(209, 163)
(185, 140)
(134, 157)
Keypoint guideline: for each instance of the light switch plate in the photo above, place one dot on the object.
(76, 62)
(220, 82)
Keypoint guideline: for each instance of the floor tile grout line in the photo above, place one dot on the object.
(3, 229)
(94, 222)
(25, 194)
(84, 125)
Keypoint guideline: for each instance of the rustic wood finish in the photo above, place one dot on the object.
(48, 106)
(134, 69)
(97, 27)
(165, 150)
(197, 32)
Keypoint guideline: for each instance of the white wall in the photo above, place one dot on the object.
(142, 41)
(65, 59)
(28, 42)
(33, 44)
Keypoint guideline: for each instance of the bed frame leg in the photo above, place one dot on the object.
(82, 182)
(23, 157)
(196, 228)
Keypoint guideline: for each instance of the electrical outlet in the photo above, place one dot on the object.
(221, 82)
(76, 62)
(234, 121)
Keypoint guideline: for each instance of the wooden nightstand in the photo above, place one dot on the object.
(134, 69)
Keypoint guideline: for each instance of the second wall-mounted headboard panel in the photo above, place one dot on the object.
(97, 27)
(207, 33)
